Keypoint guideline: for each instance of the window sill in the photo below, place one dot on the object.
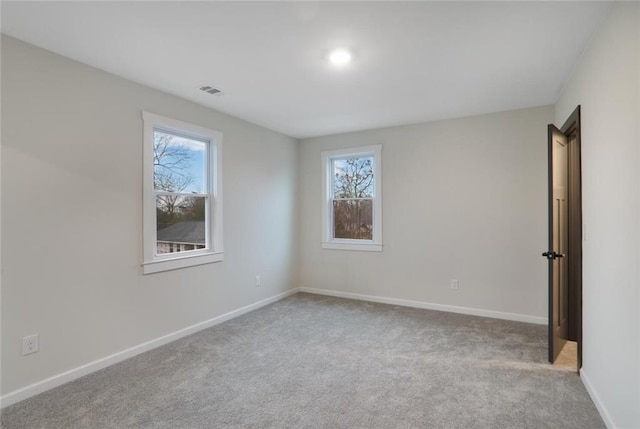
(180, 262)
(364, 247)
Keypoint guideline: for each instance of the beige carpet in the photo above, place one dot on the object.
(319, 362)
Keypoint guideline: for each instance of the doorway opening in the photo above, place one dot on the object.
(568, 357)
(565, 243)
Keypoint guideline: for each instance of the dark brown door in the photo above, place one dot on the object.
(558, 240)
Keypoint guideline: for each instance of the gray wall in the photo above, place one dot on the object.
(463, 198)
(607, 86)
(71, 217)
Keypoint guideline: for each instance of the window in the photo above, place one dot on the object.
(352, 200)
(182, 209)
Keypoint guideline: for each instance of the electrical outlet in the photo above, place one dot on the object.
(258, 283)
(30, 344)
(455, 284)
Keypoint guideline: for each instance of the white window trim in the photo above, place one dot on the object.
(328, 242)
(153, 263)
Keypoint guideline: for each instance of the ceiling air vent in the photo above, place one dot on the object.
(210, 90)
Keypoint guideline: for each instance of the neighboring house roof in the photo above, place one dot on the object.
(189, 231)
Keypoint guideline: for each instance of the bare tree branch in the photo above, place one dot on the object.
(171, 163)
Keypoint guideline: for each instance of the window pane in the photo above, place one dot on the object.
(353, 177)
(353, 219)
(179, 163)
(180, 223)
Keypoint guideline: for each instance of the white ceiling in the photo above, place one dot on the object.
(414, 61)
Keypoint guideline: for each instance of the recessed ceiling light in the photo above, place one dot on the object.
(340, 57)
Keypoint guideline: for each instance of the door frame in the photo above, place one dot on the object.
(572, 130)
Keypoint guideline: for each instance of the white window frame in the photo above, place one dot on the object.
(213, 251)
(328, 241)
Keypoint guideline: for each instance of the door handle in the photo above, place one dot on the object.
(551, 255)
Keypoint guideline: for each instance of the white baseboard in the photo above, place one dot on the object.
(430, 306)
(65, 377)
(608, 421)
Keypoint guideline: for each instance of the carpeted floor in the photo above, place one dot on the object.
(319, 362)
